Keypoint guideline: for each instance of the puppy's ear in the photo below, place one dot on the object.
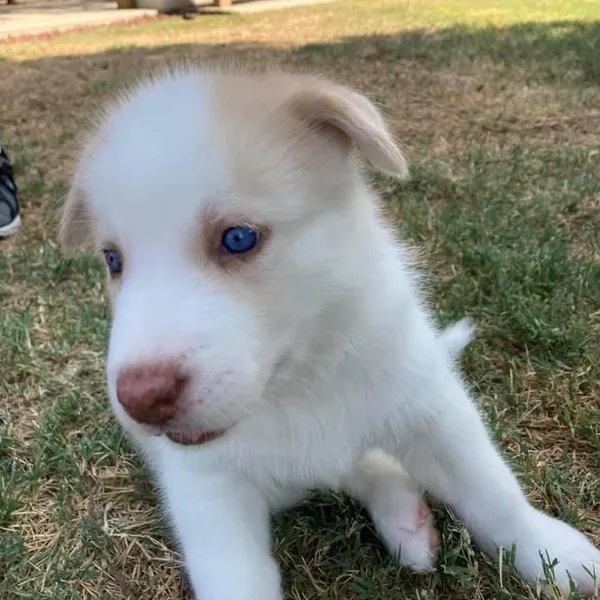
(350, 118)
(75, 228)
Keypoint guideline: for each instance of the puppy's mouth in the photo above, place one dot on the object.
(186, 438)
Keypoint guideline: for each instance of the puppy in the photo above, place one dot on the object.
(268, 335)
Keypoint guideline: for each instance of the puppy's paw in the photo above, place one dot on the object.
(568, 555)
(408, 532)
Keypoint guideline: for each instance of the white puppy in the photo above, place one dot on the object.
(268, 335)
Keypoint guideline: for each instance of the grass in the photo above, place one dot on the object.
(497, 105)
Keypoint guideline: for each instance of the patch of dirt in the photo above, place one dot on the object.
(582, 222)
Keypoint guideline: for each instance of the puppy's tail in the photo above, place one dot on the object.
(457, 337)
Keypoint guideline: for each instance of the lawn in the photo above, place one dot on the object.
(497, 103)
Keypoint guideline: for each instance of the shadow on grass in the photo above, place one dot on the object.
(63, 88)
(553, 51)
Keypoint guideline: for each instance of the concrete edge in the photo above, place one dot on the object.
(50, 29)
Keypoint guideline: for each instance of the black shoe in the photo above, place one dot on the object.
(10, 221)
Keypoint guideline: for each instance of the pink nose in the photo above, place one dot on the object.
(150, 392)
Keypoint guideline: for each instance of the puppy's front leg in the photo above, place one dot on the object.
(222, 524)
(451, 454)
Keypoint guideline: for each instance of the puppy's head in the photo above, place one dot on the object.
(232, 221)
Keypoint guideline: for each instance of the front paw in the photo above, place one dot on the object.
(408, 532)
(568, 555)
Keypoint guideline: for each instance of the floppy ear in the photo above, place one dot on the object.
(75, 228)
(350, 118)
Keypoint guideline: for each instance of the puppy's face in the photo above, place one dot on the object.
(230, 219)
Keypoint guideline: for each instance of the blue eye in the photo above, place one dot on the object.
(237, 240)
(113, 261)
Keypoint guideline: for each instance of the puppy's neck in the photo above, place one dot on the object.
(361, 328)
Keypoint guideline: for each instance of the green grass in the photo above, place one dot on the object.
(497, 104)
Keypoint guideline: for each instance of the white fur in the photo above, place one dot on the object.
(319, 357)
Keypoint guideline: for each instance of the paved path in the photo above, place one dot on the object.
(34, 17)
(251, 6)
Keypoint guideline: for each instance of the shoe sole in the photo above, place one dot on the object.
(11, 228)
